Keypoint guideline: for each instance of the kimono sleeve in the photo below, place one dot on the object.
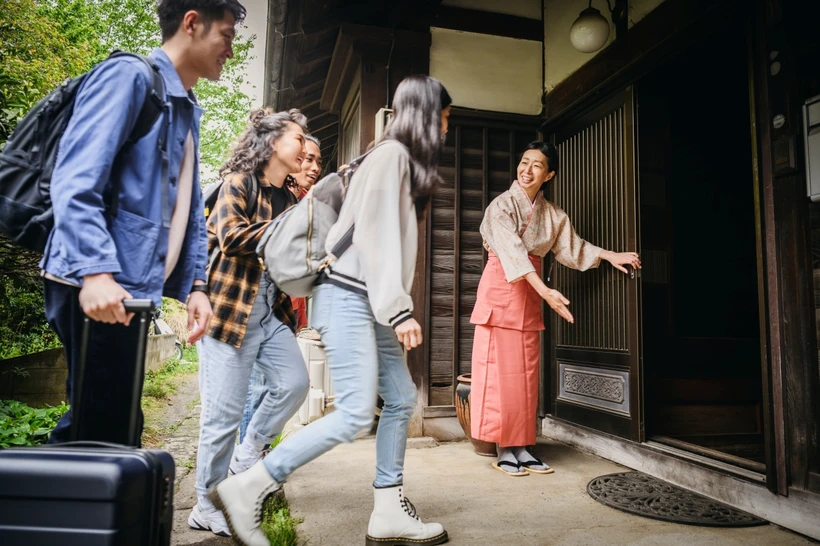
(500, 230)
(569, 248)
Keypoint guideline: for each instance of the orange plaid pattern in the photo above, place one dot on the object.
(235, 271)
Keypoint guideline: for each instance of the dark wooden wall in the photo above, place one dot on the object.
(478, 163)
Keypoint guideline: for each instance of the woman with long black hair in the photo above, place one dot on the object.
(363, 310)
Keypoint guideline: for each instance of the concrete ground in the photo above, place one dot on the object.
(480, 506)
(450, 484)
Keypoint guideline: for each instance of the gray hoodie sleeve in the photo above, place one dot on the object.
(386, 232)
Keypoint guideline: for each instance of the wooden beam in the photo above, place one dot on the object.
(457, 260)
(377, 42)
(769, 282)
(335, 17)
(327, 132)
(320, 53)
(317, 74)
(432, 412)
(485, 22)
(311, 110)
(304, 96)
(322, 122)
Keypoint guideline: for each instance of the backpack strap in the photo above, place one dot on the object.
(154, 102)
(153, 106)
(253, 196)
(347, 173)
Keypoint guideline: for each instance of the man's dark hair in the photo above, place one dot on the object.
(171, 13)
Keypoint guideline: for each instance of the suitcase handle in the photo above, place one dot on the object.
(144, 309)
(138, 306)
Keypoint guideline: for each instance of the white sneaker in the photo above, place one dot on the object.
(394, 522)
(244, 457)
(209, 518)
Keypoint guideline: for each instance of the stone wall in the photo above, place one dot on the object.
(160, 349)
(34, 379)
(38, 379)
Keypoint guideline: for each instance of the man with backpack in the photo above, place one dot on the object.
(128, 216)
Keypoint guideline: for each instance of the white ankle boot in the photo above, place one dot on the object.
(241, 498)
(394, 522)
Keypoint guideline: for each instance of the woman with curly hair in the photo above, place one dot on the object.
(253, 321)
(363, 310)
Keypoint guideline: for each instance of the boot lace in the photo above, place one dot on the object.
(408, 507)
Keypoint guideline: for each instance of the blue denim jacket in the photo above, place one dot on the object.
(133, 244)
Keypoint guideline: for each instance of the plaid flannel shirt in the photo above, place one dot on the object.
(234, 274)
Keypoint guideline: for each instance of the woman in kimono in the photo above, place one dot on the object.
(519, 228)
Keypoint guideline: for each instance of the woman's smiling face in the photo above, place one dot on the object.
(533, 171)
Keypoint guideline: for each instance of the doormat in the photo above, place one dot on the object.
(643, 495)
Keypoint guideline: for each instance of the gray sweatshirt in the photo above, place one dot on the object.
(381, 262)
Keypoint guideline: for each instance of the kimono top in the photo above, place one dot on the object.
(514, 228)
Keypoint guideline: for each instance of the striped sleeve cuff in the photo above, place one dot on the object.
(403, 316)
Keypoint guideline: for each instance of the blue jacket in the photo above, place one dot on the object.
(133, 244)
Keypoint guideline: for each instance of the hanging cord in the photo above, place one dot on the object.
(387, 67)
(608, 5)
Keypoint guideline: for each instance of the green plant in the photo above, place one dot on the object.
(276, 441)
(43, 42)
(277, 522)
(154, 389)
(23, 326)
(22, 425)
(160, 384)
(35, 56)
(17, 371)
(190, 354)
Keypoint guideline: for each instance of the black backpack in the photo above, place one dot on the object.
(27, 161)
(211, 193)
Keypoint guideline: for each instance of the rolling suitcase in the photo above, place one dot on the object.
(89, 493)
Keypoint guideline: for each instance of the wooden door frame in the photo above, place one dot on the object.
(635, 427)
(788, 352)
(793, 387)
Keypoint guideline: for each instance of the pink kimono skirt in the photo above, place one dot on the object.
(506, 358)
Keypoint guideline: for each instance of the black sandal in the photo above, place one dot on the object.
(536, 462)
(518, 471)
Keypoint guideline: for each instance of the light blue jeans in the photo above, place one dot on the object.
(257, 389)
(365, 358)
(224, 372)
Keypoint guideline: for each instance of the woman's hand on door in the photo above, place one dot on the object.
(620, 259)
